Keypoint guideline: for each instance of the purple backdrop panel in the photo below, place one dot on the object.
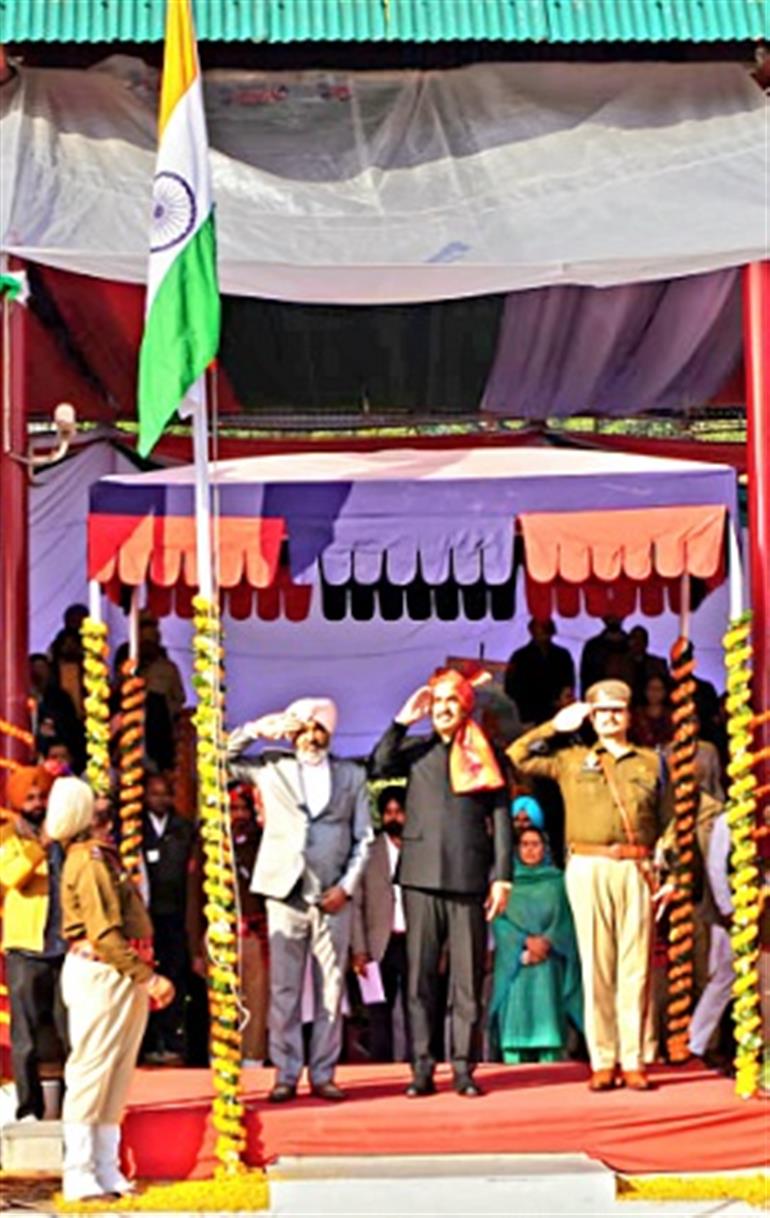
(623, 350)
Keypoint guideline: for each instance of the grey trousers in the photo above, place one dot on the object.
(294, 930)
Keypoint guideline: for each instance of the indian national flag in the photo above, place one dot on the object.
(181, 331)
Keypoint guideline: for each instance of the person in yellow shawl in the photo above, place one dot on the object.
(30, 868)
(536, 983)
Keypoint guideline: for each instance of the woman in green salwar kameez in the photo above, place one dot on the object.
(536, 986)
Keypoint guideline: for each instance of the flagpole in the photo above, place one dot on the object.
(203, 547)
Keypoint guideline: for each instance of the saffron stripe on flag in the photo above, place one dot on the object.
(180, 63)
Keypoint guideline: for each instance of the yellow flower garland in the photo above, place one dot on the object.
(753, 1189)
(132, 704)
(220, 891)
(96, 679)
(745, 874)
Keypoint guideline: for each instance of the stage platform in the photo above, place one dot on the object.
(692, 1122)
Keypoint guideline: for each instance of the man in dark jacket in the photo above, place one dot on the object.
(457, 833)
(168, 849)
(537, 674)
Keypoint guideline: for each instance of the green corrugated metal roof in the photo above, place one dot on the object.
(281, 21)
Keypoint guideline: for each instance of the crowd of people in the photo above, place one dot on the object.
(450, 897)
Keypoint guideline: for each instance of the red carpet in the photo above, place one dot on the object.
(692, 1122)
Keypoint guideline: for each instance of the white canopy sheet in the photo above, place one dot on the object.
(403, 186)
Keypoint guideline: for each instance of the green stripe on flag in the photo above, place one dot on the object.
(181, 334)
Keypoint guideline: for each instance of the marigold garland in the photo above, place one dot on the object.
(681, 934)
(219, 886)
(96, 678)
(243, 1193)
(132, 706)
(753, 1189)
(744, 871)
(16, 733)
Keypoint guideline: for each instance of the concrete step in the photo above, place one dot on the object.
(31, 1146)
(421, 1185)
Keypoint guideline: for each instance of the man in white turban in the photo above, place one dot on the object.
(107, 981)
(315, 844)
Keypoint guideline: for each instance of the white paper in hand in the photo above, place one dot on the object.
(370, 984)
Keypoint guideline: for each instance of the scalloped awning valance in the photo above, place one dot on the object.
(619, 559)
(413, 533)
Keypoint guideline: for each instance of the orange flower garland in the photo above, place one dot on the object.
(681, 934)
(16, 733)
(132, 704)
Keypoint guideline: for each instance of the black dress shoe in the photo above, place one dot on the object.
(328, 1091)
(420, 1086)
(282, 1092)
(464, 1085)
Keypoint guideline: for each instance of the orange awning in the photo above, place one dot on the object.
(618, 560)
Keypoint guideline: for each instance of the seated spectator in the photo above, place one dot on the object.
(160, 673)
(565, 697)
(643, 665)
(715, 911)
(252, 929)
(158, 727)
(536, 985)
(53, 712)
(74, 616)
(708, 765)
(527, 813)
(67, 665)
(379, 925)
(168, 843)
(710, 714)
(606, 655)
(651, 724)
(537, 803)
(30, 875)
(537, 673)
(58, 754)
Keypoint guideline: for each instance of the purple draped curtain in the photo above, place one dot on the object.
(659, 346)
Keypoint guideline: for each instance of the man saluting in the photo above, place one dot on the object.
(457, 832)
(613, 802)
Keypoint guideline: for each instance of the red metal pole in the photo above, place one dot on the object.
(756, 330)
(14, 532)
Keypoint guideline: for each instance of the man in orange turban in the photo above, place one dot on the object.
(455, 792)
(30, 868)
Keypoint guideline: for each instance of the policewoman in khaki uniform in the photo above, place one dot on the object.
(612, 801)
(107, 985)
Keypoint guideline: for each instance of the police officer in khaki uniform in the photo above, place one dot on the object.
(613, 800)
(107, 981)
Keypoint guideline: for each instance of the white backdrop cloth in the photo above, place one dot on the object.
(368, 668)
(402, 186)
(58, 511)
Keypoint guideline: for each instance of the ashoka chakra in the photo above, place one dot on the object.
(173, 210)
